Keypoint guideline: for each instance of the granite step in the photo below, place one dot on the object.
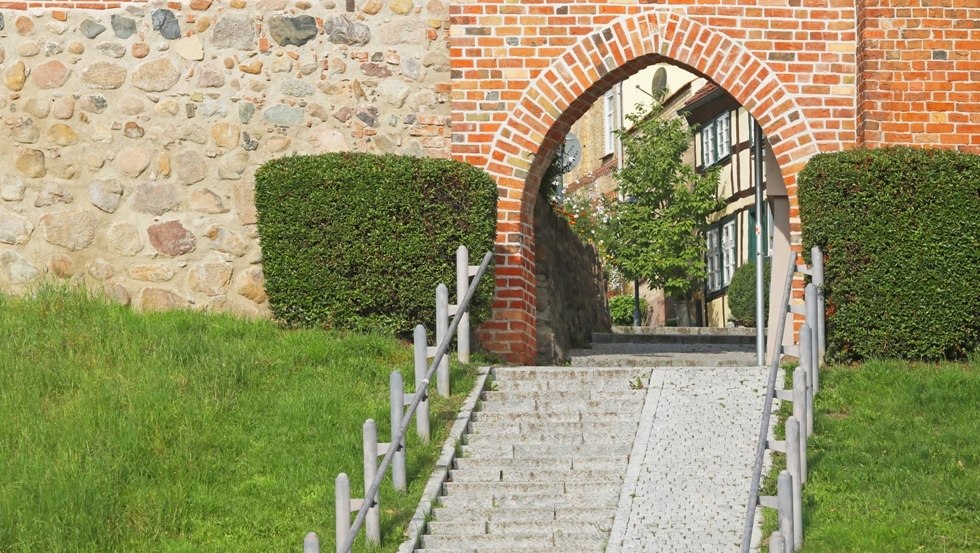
(521, 451)
(570, 374)
(584, 539)
(556, 396)
(541, 466)
(518, 427)
(544, 463)
(547, 407)
(501, 474)
(514, 416)
(585, 500)
(542, 514)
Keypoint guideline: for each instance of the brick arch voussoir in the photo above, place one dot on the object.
(564, 90)
(748, 79)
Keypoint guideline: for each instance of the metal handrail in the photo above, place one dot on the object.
(441, 351)
(760, 453)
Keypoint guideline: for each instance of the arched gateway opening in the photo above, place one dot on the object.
(563, 91)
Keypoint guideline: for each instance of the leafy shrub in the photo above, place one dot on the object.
(358, 241)
(900, 229)
(741, 293)
(621, 310)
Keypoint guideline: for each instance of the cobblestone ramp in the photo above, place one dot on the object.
(691, 467)
(542, 464)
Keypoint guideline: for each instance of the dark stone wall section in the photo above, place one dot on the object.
(570, 288)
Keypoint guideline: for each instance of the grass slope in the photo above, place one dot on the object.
(183, 431)
(894, 460)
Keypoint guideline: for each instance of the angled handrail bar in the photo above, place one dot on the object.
(760, 451)
(441, 351)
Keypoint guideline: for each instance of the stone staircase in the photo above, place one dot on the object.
(669, 347)
(542, 464)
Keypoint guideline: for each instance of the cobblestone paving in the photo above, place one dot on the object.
(690, 471)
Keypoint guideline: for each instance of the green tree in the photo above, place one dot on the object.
(656, 230)
(551, 182)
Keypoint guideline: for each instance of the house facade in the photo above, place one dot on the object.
(592, 178)
(724, 141)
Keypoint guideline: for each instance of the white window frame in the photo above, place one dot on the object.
(716, 139)
(722, 254)
(729, 251)
(713, 259)
(609, 121)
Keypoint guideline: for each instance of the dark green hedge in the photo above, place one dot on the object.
(358, 241)
(900, 229)
(741, 293)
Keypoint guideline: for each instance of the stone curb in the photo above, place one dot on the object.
(641, 442)
(416, 527)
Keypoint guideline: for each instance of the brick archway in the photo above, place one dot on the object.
(563, 91)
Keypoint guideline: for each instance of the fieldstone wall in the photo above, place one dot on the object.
(132, 135)
(571, 289)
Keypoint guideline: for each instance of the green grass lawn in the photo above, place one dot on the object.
(184, 431)
(894, 460)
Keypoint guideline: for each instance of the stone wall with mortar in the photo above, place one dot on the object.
(570, 285)
(132, 135)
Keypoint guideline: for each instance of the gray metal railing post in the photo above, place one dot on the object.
(816, 255)
(311, 543)
(806, 359)
(776, 543)
(373, 522)
(810, 298)
(441, 350)
(799, 412)
(421, 360)
(398, 474)
(442, 334)
(793, 437)
(462, 283)
(784, 497)
(342, 507)
(760, 452)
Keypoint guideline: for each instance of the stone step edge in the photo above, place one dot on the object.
(674, 340)
(433, 488)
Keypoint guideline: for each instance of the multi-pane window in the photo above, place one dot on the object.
(716, 139)
(729, 239)
(714, 260)
(609, 119)
(722, 242)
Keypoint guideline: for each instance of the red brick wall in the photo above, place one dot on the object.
(919, 79)
(524, 72)
(819, 75)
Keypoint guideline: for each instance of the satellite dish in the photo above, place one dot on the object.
(658, 87)
(572, 152)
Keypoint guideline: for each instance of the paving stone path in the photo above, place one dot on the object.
(590, 459)
(686, 487)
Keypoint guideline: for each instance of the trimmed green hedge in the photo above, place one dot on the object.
(358, 241)
(741, 292)
(900, 229)
(621, 310)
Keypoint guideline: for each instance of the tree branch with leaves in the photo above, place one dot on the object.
(656, 229)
